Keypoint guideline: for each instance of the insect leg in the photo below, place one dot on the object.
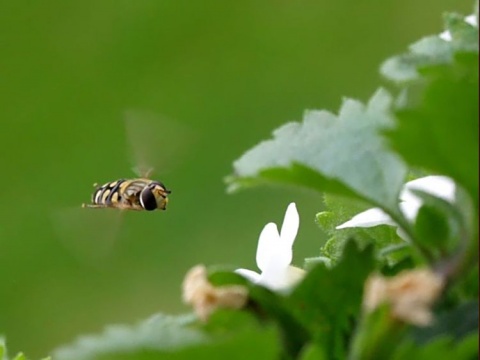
(96, 206)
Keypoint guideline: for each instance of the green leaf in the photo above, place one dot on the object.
(464, 35)
(267, 306)
(296, 174)
(438, 126)
(438, 113)
(380, 337)
(377, 335)
(313, 352)
(310, 263)
(3, 349)
(20, 356)
(237, 335)
(441, 224)
(326, 301)
(440, 349)
(429, 50)
(232, 334)
(343, 154)
(466, 287)
(432, 50)
(275, 307)
(340, 209)
(239, 340)
(431, 228)
(456, 324)
(160, 333)
(4, 355)
(403, 259)
(221, 277)
(459, 247)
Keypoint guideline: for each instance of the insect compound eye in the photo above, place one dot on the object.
(147, 199)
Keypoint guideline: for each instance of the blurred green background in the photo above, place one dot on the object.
(230, 72)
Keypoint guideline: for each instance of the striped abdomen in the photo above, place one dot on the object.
(109, 193)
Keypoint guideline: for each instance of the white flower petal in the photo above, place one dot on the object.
(268, 241)
(294, 275)
(249, 275)
(290, 225)
(472, 20)
(274, 254)
(282, 279)
(274, 280)
(410, 209)
(446, 36)
(369, 218)
(440, 186)
(280, 258)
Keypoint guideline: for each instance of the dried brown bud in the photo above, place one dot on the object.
(410, 295)
(205, 298)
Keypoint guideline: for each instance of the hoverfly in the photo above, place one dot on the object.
(151, 140)
(140, 193)
(134, 194)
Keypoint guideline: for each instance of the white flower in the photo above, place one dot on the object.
(439, 186)
(471, 19)
(274, 254)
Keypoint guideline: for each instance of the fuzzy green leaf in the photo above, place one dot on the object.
(342, 154)
(222, 277)
(438, 125)
(326, 300)
(266, 304)
(440, 349)
(160, 333)
(231, 334)
(431, 227)
(3, 349)
(377, 335)
(340, 209)
(432, 50)
(4, 354)
(314, 352)
(429, 50)
(457, 323)
(275, 307)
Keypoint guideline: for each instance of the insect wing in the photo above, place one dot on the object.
(154, 141)
(88, 234)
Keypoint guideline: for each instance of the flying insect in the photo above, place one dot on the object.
(149, 138)
(134, 194)
(153, 142)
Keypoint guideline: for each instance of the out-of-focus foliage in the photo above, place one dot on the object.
(175, 338)
(438, 115)
(225, 74)
(19, 356)
(346, 149)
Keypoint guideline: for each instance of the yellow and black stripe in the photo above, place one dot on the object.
(108, 194)
(134, 194)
